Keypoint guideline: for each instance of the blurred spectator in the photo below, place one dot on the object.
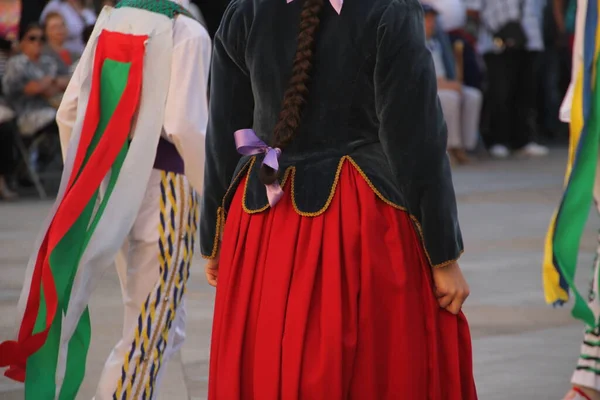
(559, 29)
(55, 32)
(10, 13)
(452, 14)
(510, 39)
(32, 85)
(453, 19)
(31, 10)
(85, 37)
(76, 17)
(461, 104)
(564, 12)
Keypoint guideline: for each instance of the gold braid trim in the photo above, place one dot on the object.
(217, 239)
(290, 172)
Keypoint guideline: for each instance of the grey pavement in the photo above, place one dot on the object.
(523, 348)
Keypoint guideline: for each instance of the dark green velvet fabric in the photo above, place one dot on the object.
(372, 97)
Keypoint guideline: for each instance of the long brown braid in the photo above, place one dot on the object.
(297, 92)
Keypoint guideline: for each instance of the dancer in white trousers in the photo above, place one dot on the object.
(132, 125)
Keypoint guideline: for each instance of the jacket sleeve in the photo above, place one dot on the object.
(231, 108)
(412, 129)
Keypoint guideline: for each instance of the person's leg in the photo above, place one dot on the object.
(524, 109)
(174, 342)
(7, 148)
(153, 283)
(450, 101)
(472, 101)
(499, 94)
(551, 89)
(7, 159)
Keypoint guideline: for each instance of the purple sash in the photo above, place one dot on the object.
(168, 158)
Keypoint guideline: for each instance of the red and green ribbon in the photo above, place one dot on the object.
(103, 144)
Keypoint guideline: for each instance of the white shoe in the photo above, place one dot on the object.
(534, 150)
(499, 151)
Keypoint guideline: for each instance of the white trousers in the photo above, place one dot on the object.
(462, 112)
(587, 372)
(153, 268)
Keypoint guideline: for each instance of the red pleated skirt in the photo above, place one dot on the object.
(337, 306)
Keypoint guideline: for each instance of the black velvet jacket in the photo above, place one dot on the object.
(373, 102)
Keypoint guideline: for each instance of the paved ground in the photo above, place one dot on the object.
(523, 349)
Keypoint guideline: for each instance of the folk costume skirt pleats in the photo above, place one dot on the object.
(334, 306)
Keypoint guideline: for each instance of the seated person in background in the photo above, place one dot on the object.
(55, 32)
(76, 17)
(452, 18)
(461, 104)
(32, 85)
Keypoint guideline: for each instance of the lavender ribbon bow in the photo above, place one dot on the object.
(336, 4)
(248, 144)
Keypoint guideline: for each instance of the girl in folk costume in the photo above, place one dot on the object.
(582, 189)
(132, 126)
(336, 273)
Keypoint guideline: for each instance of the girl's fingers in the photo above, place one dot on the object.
(212, 276)
(455, 306)
(445, 301)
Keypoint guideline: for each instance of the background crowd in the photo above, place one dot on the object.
(501, 99)
(502, 95)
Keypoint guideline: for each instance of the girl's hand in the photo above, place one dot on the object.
(212, 271)
(451, 288)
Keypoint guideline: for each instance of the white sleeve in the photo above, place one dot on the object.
(186, 112)
(67, 112)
